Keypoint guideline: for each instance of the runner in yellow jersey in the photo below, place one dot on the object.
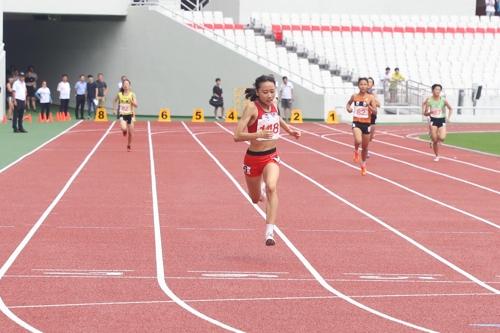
(127, 104)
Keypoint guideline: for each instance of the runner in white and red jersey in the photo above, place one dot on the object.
(261, 163)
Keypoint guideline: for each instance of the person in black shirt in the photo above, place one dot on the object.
(91, 96)
(101, 90)
(218, 99)
(30, 87)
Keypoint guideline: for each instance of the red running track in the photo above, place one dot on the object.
(91, 266)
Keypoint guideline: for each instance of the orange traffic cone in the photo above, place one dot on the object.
(4, 121)
(68, 117)
(28, 117)
(50, 118)
(40, 119)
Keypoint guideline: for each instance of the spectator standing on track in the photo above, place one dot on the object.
(217, 99)
(64, 90)
(261, 162)
(435, 107)
(43, 93)
(287, 96)
(490, 7)
(30, 86)
(128, 102)
(80, 91)
(101, 90)
(364, 106)
(91, 96)
(19, 94)
(396, 78)
(8, 96)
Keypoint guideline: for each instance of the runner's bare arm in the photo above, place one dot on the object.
(348, 106)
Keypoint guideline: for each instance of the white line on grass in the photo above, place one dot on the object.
(38, 148)
(298, 254)
(160, 270)
(34, 229)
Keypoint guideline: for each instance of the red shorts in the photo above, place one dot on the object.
(255, 162)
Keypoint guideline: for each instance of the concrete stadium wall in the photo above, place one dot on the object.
(170, 65)
(387, 7)
(67, 7)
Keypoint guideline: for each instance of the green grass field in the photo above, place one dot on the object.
(488, 142)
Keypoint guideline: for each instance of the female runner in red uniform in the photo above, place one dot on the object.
(261, 163)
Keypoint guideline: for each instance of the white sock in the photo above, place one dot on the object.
(269, 228)
(363, 163)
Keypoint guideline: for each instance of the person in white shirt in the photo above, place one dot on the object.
(490, 7)
(64, 90)
(43, 95)
(19, 93)
(385, 78)
(286, 97)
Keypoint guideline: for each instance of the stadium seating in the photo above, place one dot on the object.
(331, 51)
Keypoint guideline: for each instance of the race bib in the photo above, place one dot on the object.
(125, 109)
(270, 122)
(436, 112)
(361, 111)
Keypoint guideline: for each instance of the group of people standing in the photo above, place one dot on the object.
(21, 90)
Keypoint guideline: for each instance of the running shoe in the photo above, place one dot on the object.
(216, 118)
(263, 196)
(356, 157)
(436, 159)
(270, 240)
(363, 170)
(129, 149)
(368, 155)
(223, 118)
(124, 133)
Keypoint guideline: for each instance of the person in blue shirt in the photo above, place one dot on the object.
(80, 91)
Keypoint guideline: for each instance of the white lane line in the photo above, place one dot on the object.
(455, 232)
(81, 270)
(417, 167)
(297, 253)
(259, 299)
(167, 132)
(419, 151)
(160, 269)
(393, 182)
(397, 232)
(393, 274)
(364, 280)
(238, 272)
(34, 229)
(90, 227)
(218, 229)
(38, 148)
(306, 230)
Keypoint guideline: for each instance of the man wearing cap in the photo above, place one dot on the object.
(19, 93)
